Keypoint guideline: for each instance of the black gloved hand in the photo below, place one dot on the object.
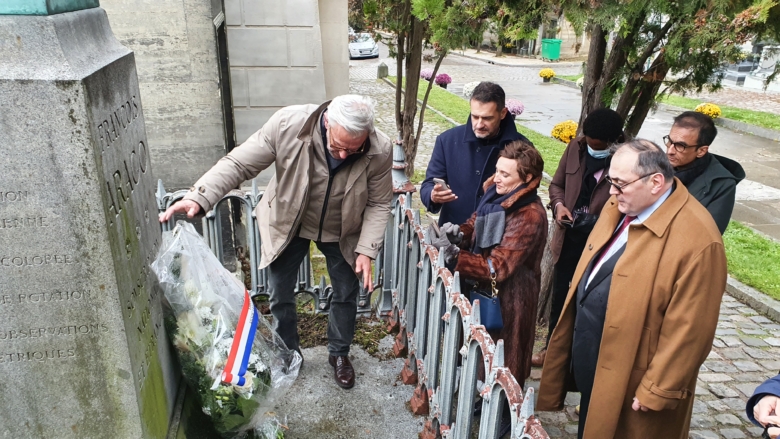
(450, 253)
(454, 235)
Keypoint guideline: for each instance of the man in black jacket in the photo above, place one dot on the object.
(710, 178)
(465, 156)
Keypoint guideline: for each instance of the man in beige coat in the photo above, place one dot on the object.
(332, 186)
(642, 309)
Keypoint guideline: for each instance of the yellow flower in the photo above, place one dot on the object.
(547, 73)
(709, 109)
(565, 131)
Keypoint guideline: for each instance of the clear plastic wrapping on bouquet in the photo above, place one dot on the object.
(212, 323)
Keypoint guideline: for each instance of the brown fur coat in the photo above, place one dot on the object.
(517, 261)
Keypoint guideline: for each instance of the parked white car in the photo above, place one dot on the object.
(363, 46)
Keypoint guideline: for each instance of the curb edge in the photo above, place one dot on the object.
(762, 303)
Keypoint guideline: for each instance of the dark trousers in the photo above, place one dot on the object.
(584, 403)
(583, 378)
(563, 272)
(282, 277)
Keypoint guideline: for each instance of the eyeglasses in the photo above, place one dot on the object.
(620, 187)
(679, 146)
(333, 147)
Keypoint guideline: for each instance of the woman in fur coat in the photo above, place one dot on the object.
(509, 229)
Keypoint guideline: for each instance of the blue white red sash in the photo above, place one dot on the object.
(235, 369)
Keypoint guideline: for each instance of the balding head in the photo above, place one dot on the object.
(639, 173)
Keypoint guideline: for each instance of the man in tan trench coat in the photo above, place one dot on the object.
(642, 309)
(332, 186)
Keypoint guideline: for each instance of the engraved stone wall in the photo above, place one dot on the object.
(82, 350)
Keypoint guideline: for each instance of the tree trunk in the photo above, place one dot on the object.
(650, 86)
(596, 54)
(413, 64)
(618, 54)
(399, 68)
(545, 290)
(629, 95)
(424, 105)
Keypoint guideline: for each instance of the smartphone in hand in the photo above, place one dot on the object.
(441, 183)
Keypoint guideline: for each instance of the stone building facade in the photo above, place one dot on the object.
(211, 72)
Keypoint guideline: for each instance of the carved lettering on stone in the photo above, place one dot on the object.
(13, 196)
(36, 260)
(53, 354)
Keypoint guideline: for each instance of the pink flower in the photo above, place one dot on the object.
(515, 107)
(426, 74)
(443, 78)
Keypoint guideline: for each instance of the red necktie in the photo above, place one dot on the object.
(626, 221)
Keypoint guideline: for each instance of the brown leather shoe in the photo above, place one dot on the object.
(538, 359)
(343, 371)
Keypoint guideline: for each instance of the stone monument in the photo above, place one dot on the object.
(83, 353)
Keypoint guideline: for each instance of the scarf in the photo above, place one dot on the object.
(690, 172)
(491, 216)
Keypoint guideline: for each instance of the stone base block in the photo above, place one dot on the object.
(419, 402)
(409, 373)
(429, 430)
(393, 322)
(400, 347)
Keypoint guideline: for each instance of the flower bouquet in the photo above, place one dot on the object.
(426, 74)
(709, 109)
(228, 352)
(442, 79)
(515, 107)
(565, 131)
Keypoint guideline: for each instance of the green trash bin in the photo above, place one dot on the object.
(551, 49)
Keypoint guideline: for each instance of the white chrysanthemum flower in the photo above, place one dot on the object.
(260, 366)
(468, 89)
(191, 290)
(248, 387)
(204, 312)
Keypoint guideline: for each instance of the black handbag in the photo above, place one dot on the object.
(489, 303)
(584, 221)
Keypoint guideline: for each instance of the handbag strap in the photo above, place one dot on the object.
(492, 277)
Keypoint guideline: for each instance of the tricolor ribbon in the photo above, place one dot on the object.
(235, 369)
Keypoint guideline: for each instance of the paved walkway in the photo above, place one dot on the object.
(743, 98)
(746, 349)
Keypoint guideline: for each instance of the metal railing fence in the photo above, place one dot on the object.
(445, 344)
(438, 329)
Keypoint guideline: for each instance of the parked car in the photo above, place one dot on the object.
(363, 46)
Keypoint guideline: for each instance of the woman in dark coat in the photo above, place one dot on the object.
(578, 192)
(510, 229)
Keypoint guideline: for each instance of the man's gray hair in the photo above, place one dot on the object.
(652, 159)
(354, 113)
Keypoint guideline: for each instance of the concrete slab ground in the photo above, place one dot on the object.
(316, 408)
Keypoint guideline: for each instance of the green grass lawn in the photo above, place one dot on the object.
(752, 259)
(758, 118)
(572, 78)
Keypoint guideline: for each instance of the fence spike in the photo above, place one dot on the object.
(161, 194)
(498, 358)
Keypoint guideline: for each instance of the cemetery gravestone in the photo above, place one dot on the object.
(83, 353)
